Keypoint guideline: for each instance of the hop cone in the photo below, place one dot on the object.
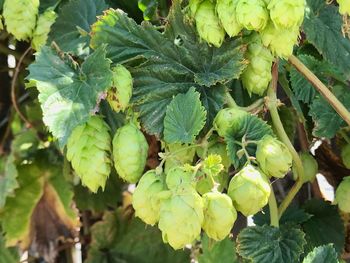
(228, 120)
(119, 95)
(226, 10)
(145, 198)
(130, 151)
(344, 6)
(42, 30)
(20, 17)
(287, 13)
(208, 24)
(280, 41)
(205, 183)
(257, 76)
(88, 149)
(219, 215)
(249, 190)
(273, 157)
(342, 195)
(180, 156)
(310, 167)
(252, 14)
(178, 176)
(193, 6)
(345, 155)
(181, 217)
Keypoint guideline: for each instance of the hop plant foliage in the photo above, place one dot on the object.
(208, 24)
(344, 7)
(180, 155)
(88, 149)
(119, 95)
(310, 167)
(274, 158)
(252, 14)
(345, 155)
(257, 76)
(179, 176)
(20, 17)
(42, 30)
(227, 120)
(226, 10)
(342, 195)
(145, 199)
(249, 190)
(219, 215)
(130, 150)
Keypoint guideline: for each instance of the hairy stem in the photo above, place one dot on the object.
(229, 100)
(274, 216)
(321, 88)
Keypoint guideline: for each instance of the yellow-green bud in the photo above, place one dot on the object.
(226, 10)
(287, 13)
(252, 14)
(227, 121)
(310, 167)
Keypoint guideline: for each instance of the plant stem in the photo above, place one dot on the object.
(321, 88)
(229, 100)
(281, 133)
(274, 216)
(254, 106)
(345, 136)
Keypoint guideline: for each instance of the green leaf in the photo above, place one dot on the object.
(326, 119)
(324, 227)
(8, 178)
(323, 28)
(117, 239)
(268, 244)
(221, 251)
(322, 254)
(253, 128)
(69, 93)
(8, 255)
(166, 66)
(72, 27)
(148, 7)
(185, 118)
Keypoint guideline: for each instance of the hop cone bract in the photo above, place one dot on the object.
(119, 95)
(344, 6)
(310, 167)
(257, 76)
(252, 14)
(249, 190)
(287, 13)
(342, 195)
(88, 149)
(145, 199)
(228, 120)
(20, 17)
(345, 156)
(179, 155)
(130, 150)
(208, 24)
(226, 10)
(177, 176)
(274, 158)
(219, 215)
(42, 30)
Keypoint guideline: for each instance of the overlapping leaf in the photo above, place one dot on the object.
(322, 254)
(69, 93)
(8, 178)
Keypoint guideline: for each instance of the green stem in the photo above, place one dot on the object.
(230, 101)
(258, 104)
(274, 216)
(321, 88)
(281, 133)
(345, 136)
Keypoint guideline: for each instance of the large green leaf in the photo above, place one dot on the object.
(69, 93)
(8, 178)
(322, 254)
(253, 128)
(167, 66)
(221, 251)
(72, 27)
(185, 117)
(7, 255)
(323, 28)
(324, 227)
(122, 240)
(267, 244)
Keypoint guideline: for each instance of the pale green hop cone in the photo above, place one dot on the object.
(145, 199)
(88, 149)
(287, 13)
(226, 10)
(249, 190)
(310, 167)
(219, 215)
(130, 150)
(345, 156)
(20, 17)
(252, 14)
(119, 95)
(342, 195)
(273, 157)
(344, 7)
(227, 121)
(208, 24)
(180, 155)
(178, 176)
(181, 217)
(42, 30)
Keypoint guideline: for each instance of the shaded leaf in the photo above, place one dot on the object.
(322, 254)
(8, 178)
(7, 255)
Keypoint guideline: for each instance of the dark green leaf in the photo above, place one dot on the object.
(148, 7)
(324, 227)
(69, 94)
(72, 27)
(221, 251)
(323, 28)
(322, 254)
(8, 178)
(7, 255)
(185, 118)
(266, 244)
